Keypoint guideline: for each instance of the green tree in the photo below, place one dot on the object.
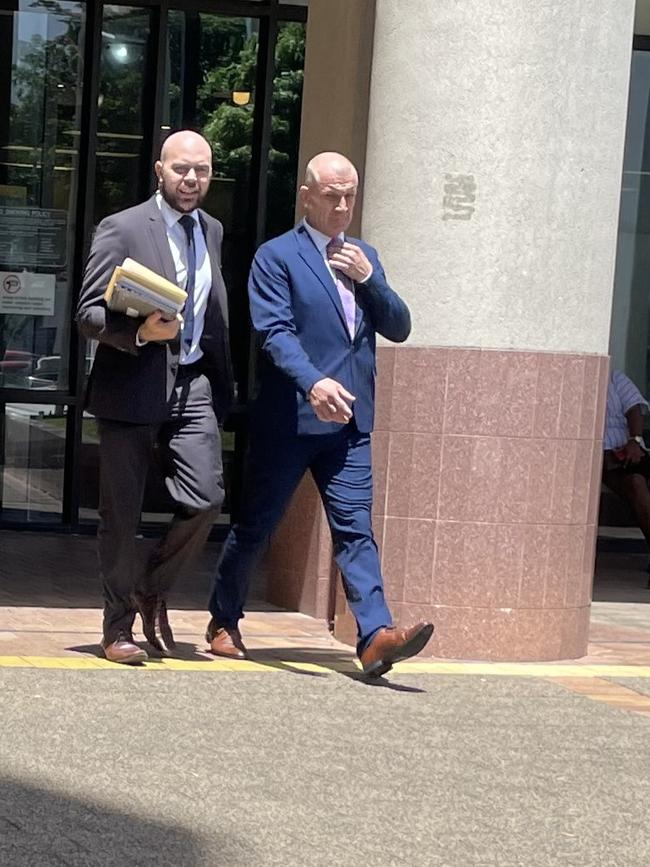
(285, 127)
(229, 127)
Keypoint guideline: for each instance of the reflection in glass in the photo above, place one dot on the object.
(41, 47)
(123, 167)
(32, 461)
(630, 332)
(285, 127)
(212, 89)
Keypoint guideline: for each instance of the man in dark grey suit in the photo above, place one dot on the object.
(158, 383)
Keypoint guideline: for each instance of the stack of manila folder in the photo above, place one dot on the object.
(138, 291)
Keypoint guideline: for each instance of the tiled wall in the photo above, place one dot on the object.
(487, 475)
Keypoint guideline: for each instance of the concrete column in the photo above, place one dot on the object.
(492, 183)
(493, 177)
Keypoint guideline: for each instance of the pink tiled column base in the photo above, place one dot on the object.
(521, 634)
(487, 476)
(298, 564)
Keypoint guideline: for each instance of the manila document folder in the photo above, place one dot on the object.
(138, 291)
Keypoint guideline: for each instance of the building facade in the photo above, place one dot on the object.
(491, 139)
(89, 90)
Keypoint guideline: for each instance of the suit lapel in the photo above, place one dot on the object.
(218, 289)
(312, 257)
(158, 233)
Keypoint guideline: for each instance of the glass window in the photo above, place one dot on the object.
(32, 461)
(41, 48)
(630, 332)
(123, 167)
(212, 89)
(285, 127)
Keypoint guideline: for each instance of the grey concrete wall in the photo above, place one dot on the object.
(493, 168)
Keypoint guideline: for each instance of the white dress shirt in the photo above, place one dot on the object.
(178, 245)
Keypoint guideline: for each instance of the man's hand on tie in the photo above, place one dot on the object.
(330, 401)
(351, 261)
(155, 328)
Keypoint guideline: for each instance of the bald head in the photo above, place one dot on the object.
(329, 192)
(184, 170)
(184, 141)
(327, 166)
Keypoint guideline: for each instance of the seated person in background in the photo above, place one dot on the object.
(626, 465)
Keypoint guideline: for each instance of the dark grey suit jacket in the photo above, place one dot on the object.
(130, 383)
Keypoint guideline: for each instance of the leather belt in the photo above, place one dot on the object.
(185, 371)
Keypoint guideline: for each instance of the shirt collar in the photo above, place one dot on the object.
(321, 241)
(170, 215)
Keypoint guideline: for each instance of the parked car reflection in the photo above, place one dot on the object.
(19, 369)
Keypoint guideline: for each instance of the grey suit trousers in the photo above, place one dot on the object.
(189, 445)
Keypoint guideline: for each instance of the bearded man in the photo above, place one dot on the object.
(158, 384)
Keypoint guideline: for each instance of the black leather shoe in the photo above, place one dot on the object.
(155, 623)
(123, 649)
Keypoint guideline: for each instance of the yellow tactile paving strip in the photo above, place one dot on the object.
(572, 676)
(585, 680)
(606, 692)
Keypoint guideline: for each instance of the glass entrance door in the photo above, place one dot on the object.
(88, 92)
(235, 78)
(41, 86)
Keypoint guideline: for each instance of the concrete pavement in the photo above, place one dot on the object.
(293, 759)
(198, 769)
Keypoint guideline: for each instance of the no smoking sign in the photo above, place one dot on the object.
(26, 293)
(11, 284)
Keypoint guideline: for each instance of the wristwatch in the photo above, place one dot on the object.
(640, 441)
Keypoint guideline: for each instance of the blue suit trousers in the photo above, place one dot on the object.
(341, 466)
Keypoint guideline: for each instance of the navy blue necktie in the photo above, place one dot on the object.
(188, 224)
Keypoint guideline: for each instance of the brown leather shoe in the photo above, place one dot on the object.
(124, 650)
(155, 623)
(391, 644)
(225, 642)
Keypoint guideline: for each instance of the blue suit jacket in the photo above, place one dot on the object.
(299, 319)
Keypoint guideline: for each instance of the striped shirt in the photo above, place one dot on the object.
(622, 395)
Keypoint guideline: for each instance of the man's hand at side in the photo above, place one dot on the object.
(155, 328)
(330, 401)
(631, 453)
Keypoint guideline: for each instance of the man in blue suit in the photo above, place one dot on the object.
(317, 301)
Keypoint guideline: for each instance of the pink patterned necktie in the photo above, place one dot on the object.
(345, 289)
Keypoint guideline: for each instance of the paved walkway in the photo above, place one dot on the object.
(49, 616)
(294, 759)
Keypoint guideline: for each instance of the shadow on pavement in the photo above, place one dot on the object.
(381, 682)
(337, 662)
(38, 826)
(57, 570)
(621, 577)
(285, 658)
(184, 651)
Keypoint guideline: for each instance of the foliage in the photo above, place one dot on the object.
(229, 128)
